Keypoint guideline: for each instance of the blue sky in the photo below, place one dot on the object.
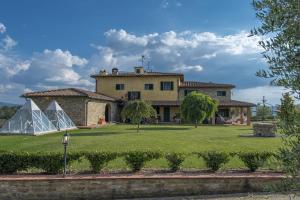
(55, 44)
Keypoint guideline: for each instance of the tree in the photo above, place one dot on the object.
(138, 110)
(263, 112)
(289, 126)
(280, 29)
(196, 107)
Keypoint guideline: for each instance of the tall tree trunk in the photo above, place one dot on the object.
(138, 128)
(196, 123)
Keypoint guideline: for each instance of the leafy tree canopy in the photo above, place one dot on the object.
(196, 107)
(137, 110)
(280, 29)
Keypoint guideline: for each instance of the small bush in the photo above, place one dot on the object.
(254, 160)
(52, 163)
(136, 159)
(214, 160)
(174, 160)
(11, 162)
(99, 159)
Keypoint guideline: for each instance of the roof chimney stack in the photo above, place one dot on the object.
(115, 71)
(103, 72)
(139, 70)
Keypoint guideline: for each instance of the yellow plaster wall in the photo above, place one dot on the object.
(107, 86)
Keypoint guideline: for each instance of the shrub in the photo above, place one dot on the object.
(99, 159)
(214, 160)
(11, 162)
(52, 163)
(136, 159)
(254, 160)
(174, 160)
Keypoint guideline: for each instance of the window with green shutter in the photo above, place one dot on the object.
(166, 85)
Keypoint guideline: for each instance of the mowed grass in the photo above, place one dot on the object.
(166, 138)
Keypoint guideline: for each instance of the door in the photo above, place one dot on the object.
(166, 114)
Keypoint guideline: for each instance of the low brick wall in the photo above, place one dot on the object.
(97, 187)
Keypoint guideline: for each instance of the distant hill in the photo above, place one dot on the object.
(8, 104)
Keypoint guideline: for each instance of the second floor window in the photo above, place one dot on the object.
(221, 93)
(134, 95)
(148, 86)
(167, 85)
(120, 86)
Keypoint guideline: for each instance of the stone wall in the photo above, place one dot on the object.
(73, 106)
(90, 187)
(96, 110)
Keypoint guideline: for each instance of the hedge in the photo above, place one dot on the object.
(53, 162)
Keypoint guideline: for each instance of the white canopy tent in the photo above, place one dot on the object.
(29, 119)
(58, 117)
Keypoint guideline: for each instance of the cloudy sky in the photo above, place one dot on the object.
(59, 43)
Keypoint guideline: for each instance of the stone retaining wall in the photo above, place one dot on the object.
(97, 187)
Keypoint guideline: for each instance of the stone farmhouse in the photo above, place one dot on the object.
(165, 91)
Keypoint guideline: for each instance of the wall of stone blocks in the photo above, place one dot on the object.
(73, 106)
(134, 187)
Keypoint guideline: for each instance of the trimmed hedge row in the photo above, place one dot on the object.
(53, 163)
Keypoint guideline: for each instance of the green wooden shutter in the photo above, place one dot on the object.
(172, 86)
(161, 85)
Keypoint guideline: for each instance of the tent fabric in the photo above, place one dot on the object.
(58, 117)
(29, 119)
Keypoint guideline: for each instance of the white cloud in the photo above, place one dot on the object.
(2, 28)
(5, 88)
(55, 67)
(164, 4)
(8, 43)
(273, 94)
(170, 50)
(184, 68)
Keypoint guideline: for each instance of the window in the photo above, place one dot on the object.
(223, 112)
(134, 95)
(221, 93)
(120, 86)
(186, 92)
(168, 85)
(148, 86)
(157, 108)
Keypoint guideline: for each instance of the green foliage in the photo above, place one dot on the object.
(11, 162)
(136, 159)
(214, 160)
(51, 163)
(196, 107)
(263, 112)
(6, 112)
(99, 159)
(174, 160)
(254, 160)
(138, 110)
(290, 126)
(280, 24)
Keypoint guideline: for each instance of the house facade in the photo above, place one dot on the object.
(165, 92)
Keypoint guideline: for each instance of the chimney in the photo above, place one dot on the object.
(139, 70)
(114, 71)
(103, 72)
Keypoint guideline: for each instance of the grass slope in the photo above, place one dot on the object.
(167, 138)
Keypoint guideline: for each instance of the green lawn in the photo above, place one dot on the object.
(166, 138)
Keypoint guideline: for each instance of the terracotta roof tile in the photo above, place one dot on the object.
(122, 74)
(195, 84)
(234, 103)
(68, 92)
